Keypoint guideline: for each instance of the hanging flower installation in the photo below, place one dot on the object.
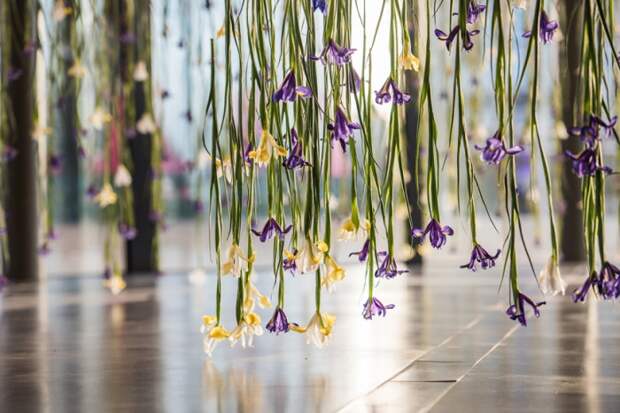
(324, 105)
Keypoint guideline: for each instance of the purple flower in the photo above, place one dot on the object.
(55, 164)
(589, 133)
(581, 293)
(271, 227)
(388, 268)
(126, 231)
(474, 10)
(375, 307)
(480, 255)
(354, 81)
(609, 281)
(342, 128)
(289, 262)
(495, 150)
(389, 92)
(608, 127)
(547, 28)
(295, 155)
(246, 154)
(278, 323)
(333, 54)
(320, 5)
(8, 153)
(289, 90)
(436, 233)
(517, 310)
(449, 38)
(363, 253)
(586, 163)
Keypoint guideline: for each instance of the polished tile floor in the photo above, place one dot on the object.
(67, 345)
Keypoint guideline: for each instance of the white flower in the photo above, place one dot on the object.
(318, 330)
(236, 262)
(140, 74)
(99, 118)
(310, 256)
(146, 124)
(550, 280)
(348, 230)
(116, 284)
(224, 168)
(122, 177)
(212, 333)
(334, 273)
(106, 197)
(245, 331)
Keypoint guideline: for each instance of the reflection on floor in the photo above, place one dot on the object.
(68, 345)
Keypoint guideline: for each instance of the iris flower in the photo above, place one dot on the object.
(342, 128)
(334, 273)
(122, 177)
(278, 323)
(387, 268)
(236, 262)
(550, 279)
(481, 256)
(547, 28)
(589, 133)
(586, 163)
(270, 228)
(437, 234)
(319, 5)
(517, 310)
(494, 150)
(389, 92)
(474, 10)
(295, 156)
(408, 61)
(289, 90)
(318, 330)
(106, 196)
(245, 331)
(255, 295)
(363, 253)
(468, 44)
(333, 54)
(288, 263)
(115, 283)
(349, 231)
(609, 278)
(212, 333)
(266, 149)
(311, 256)
(374, 307)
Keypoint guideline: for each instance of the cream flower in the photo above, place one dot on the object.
(266, 148)
(115, 283)
(408, 61)
(236, 262)
(310, 256)
(220, 32)
(550, 280)
(253, 295)
(245, 331)
(224, 169)
(146, 124)
(99, 118)
(348, 230)
(77, 70)
(122, 177)
(106, 196)
(140, 74)
(212, 333)
(318, 330)
(334, 274)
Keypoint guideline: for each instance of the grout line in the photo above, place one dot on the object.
(493, 348)
(469, 326)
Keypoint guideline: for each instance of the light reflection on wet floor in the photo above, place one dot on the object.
(67, 345)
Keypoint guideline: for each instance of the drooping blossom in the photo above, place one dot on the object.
(468, 44)
(146, 125)
(278, 323)
(106, 196)
(115, 283)
(333, 273)
(333, 54)
(481, 256)
(342, 128)
(236, 261)
(580, 294)
(122, 177)
(517, 310)
(249, 327)
(388, 268)
(77, 70)
(353, 81)
(547, 28)
(348, 229)
(374, 307)
(550, 279)
(436, 233)
(255, 296)
(289, 261)
(389, 92)
(267, 147)
(408, 61)
(589, 133)
(318, 330)
(319, 5)
(586, 163)
(140, 72)
(212, 333)
(363, 253)
(270, 228)
(310, 256)
(474, 10)
(295, 156)
(289, 90)
(609, 281)
(100, 118)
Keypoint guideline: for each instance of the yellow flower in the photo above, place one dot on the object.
(212, 333)
(220, 32)
(208, 321)
(349, 231)
(409, 61)
(310, 256)
(99, 118)
(318, 330)
(116, 284)
(106, 197)
(263, 300)
(236, 263)
(265, 150)
(245, 331)
(224, 168)
(322, 246)
(334, 274)
(77, 70)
